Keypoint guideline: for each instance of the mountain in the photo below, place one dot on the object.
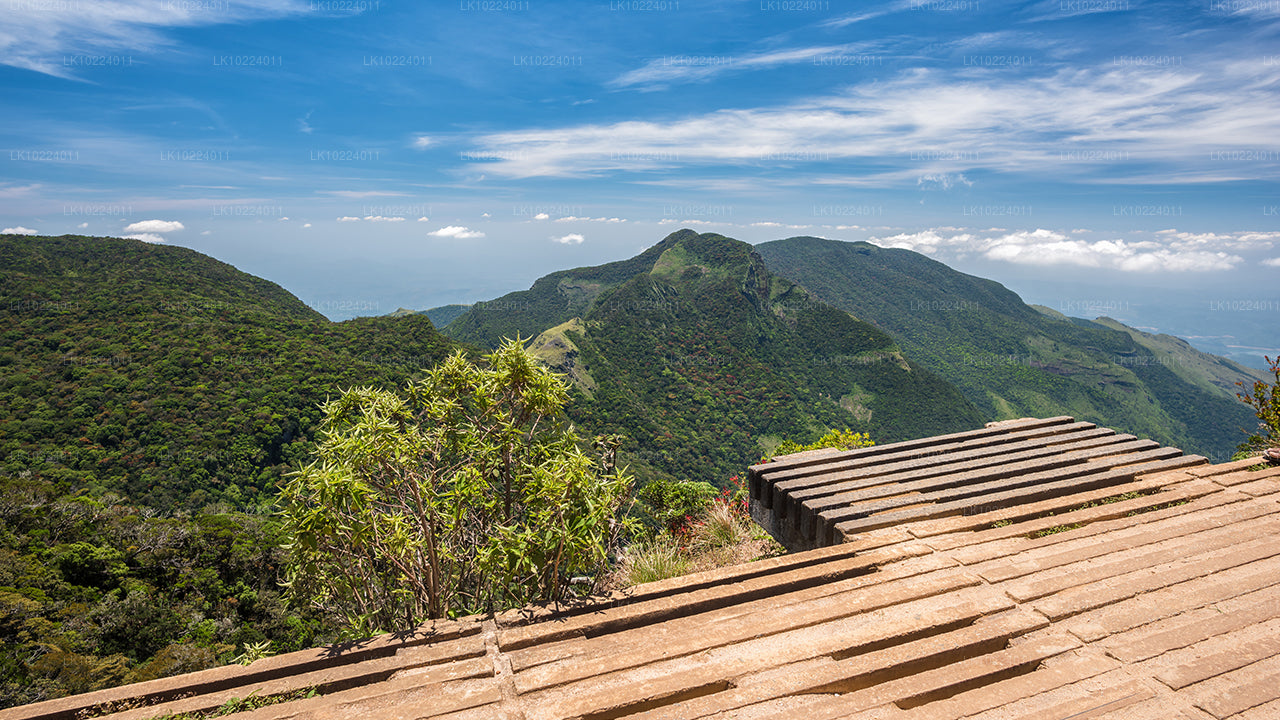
(439, 316)
(1210, 372)
(1011, 360)
(704, 359)
(445, 314)
(169, 377)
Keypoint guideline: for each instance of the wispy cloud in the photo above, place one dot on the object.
(39, 36)
(1078, 123)
(671, 69)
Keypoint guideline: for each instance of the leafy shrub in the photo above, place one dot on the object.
(1265, 401)
(466, 494)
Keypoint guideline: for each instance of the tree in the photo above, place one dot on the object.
(1265, 401)
(466, 494)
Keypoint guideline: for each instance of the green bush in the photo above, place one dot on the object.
(466, 494)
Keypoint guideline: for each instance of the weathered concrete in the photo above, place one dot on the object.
(1163, 604)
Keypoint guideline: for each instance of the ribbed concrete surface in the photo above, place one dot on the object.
(1158, 597)
(822, 497)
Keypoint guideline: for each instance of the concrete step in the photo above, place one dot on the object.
(791, 468)
(1208, 526)
(1081, 598)
(1098, 520)
(1216, 655)
(995, 499)
(1154, 622)
(956, 468)
(668, 682)
(827, 675)
(1237, 691)
(929, 575)
(1059, 671)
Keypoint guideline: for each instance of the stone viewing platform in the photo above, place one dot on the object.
(1128, 584)
(821, 497)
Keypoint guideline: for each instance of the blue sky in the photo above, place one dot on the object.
(371, 154)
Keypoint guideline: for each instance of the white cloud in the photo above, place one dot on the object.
(348, 218)
(361, 194)
(1077, 123)
(660, 72)
(942, 181)
(380, 218)
(283, 219)
(541, 216)
(304, 126)
(19, 230)
(146, 238)
(306, 225)
(457, 231)
(424, 218)
(573, 218)
(83, 225)
(1272, 262)
(37, 35)
(570, 239)
(154, 226)
(1162, 252)
(422, 142)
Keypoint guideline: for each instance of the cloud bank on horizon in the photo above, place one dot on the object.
(1107, 135)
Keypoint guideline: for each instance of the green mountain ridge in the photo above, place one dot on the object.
(703, 358)
(170, 377)
(1011, 360)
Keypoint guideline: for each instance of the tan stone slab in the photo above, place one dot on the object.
(1059, 671)
(1005, 541)
(1031, 493)
(665, 683)
(922, 689)
(386, 701)
(604, 618)
(1211, 528)
(971, 529)
(1152, 623)
(495, 711)
(440, 633)
(1132, 701)
(1260, 488)
(1237, 691)
(1265, 711)
(1100, 688)
(797, 706)
(878, 539)
(1111, 590)
(563, 662)
(1216, 656)
(1228, 468)
(680, 585)
(974, 487)
(829, 676)
(960, 468)
(788, 467)
(370, 673)
(928, 460)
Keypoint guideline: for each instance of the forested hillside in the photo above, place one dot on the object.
(702, 358)
(170, 377)
(150, 399)
(1009, 359)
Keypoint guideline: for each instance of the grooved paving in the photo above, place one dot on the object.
(1132, 583)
